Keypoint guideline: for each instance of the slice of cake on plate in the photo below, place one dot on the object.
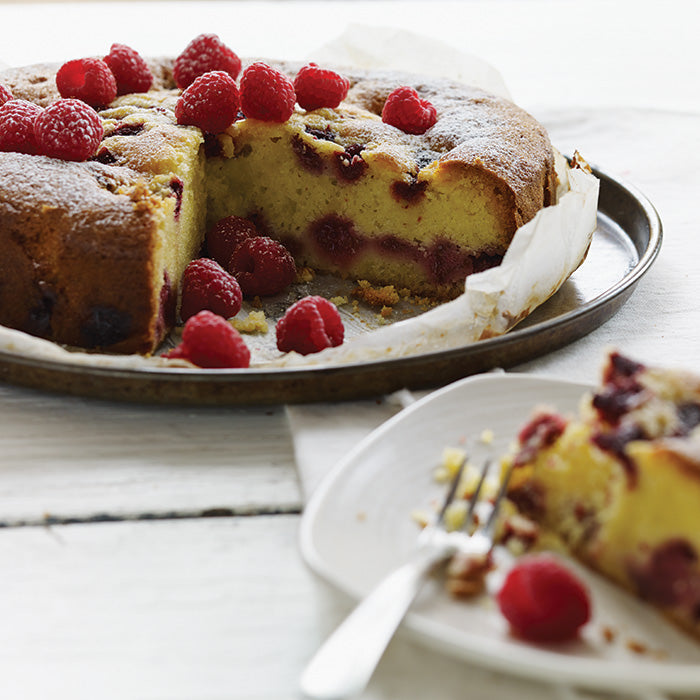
(620, 483)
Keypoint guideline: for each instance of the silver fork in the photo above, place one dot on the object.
(344, 664)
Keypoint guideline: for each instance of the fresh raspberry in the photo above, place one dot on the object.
(266, 94)
(129, 69)
(206, 285)
(309, 325)
(317, 87)
(543, 601)
(203, 54)
(5, 94)
(262, 266)
(405, 110)
(87, 79)
(225, 236)
(176, 353)
(17, 119)
(211, 102)
(212, 342)
(69, 130)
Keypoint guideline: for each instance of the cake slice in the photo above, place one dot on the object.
(620, 483)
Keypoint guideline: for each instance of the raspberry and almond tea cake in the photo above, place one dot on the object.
(136, 194)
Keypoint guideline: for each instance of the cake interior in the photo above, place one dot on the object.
(354, 209)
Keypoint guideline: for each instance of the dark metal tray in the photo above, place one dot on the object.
(626, 243)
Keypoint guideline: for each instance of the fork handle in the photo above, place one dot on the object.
(343, 666)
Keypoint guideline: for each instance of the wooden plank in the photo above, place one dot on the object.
(66, 458)
(205, 609)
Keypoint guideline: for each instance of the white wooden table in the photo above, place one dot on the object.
(117, 579)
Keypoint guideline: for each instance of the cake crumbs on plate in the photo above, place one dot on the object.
(609, 634)
(641, 648)
(487, 437)
(339, 301)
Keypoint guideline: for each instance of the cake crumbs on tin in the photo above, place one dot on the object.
(305, 274)
(255, 322)
(376, 296)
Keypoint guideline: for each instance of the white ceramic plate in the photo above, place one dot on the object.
(358, 526)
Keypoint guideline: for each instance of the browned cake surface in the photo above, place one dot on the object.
(79, 238)
(56, 220)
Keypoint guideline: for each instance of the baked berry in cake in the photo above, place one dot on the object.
(620, 483)
(95, 251)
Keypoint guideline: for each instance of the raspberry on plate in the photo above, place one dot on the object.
(69, 130)
(310, 325)
(203, 54)
(266, 94)
(87, 79)
(211, 102)
(206, 285)
(17, 119)
(262, 266)
(318, 87)
(210, 341)
(225, 236)
(543, 601)
(5, 94)
(130, 70)
(405, 110)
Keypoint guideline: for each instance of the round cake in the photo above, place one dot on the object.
(94, 251)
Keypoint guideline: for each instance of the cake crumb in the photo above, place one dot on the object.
(305, 274)
(487, 436)
(376, 296)
(609, 634)
(421, 517)
(339, 301)
(636, 646)
(466, 574)
(386, 311)
(361, 515)
(254, 323)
